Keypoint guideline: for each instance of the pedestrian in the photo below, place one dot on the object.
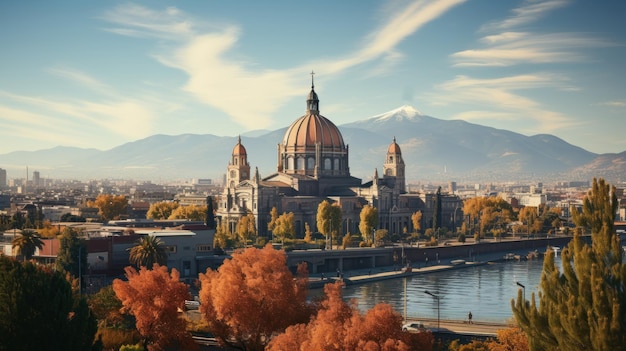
(322, 276)
(469, 317)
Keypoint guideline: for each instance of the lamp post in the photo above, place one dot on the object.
(523, 289)
(438, 310)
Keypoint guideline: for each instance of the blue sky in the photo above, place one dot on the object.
(97, 74)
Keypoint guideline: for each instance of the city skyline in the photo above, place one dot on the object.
(97, 75)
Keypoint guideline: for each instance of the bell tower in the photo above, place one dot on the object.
(238, 167)
(393, 168)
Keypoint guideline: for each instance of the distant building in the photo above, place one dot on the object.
(36, 179)
(3, 178)
(312, 166)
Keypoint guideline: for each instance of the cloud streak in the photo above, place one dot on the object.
(246, 93)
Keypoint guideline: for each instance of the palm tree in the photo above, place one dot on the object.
(148, 251)
(27, 243)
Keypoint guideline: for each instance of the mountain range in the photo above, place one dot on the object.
(432, 148)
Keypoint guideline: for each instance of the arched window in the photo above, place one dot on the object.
(236, 161)
(310, 164)
(300, 163)
(336, 167)
(327, 163)
(390, 159)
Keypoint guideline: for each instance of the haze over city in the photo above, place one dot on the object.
(97, 75)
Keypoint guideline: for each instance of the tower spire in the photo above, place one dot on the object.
(312, 83)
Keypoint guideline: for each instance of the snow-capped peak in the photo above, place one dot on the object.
(403, 112)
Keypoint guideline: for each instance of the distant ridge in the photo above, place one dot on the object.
(433, 150)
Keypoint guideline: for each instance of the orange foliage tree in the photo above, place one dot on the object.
(110, 206)
(511, 339)
(252, 297)
(153, 297)
(340, 326)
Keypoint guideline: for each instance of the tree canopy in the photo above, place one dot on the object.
(284, 227)
(110, 206)
(368, 221)
(72, 255)
(251, 297)
(26, 243)
(584, 306)
(154, 296)
(148, 251)
(340, 326)
(161, 210)
(39, 310)
(329, 218)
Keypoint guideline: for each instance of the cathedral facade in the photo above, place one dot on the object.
(313, 166)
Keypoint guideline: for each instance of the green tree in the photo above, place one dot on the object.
(39, 311)
(584, 306)
(437, 211)
(72, 255)
(210, 213)
(26, 243)
(148, 251)
(368, 221)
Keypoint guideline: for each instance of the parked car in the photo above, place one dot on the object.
(192, 305)
(415, 327)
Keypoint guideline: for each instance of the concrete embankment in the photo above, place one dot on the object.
(363, 276)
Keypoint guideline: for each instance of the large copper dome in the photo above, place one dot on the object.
(313, 145)
(311, 129)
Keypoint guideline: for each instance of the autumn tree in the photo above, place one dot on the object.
(246, 229)
(252, 297)
(284, 227)
(190, 212)
(308, 235)
(223, 238)
(49, 230)
(161, 210)
(110, 206)
(509, 339)
(39, 310)
(72, 255)
(416, 220)
(154, 296)
(528, 216)
(148, 251)
(368, 221)
(339, 325)
(26, 243)
(584, 306)
(329, 218)
(273, 219)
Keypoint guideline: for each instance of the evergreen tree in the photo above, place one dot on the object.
(583, 307)
(437, 212)
(39, 311)
(148, 251)
(72, 255)
(210, 215)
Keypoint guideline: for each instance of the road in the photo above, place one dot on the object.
(464, 328)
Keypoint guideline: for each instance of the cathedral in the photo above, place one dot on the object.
(313, 166)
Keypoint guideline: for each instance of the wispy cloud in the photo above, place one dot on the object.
(512, 48)
(614, 103)
(241, 89)
(530, 11)
(503, 101)
(126, 118)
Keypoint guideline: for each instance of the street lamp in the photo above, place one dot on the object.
(438, 310)
(523, 289)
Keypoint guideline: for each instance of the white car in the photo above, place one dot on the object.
(416, 327)
(192, 305)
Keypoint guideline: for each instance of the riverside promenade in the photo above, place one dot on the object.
(446, 329)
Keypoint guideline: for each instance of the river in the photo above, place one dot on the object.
(485, 290)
